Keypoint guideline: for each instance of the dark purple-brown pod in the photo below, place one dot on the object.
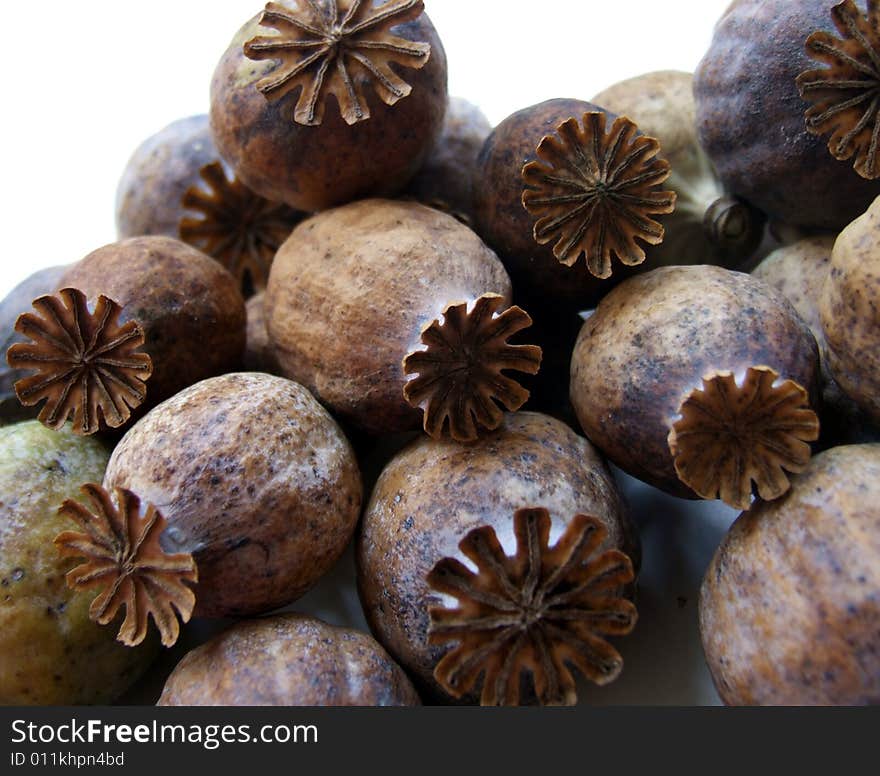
(396, 315)
(176, 184)
(358, 123)
(789, 606)
(288, 660)
(190, 308)
(535, 509)
(255, 479)
(700, 381)
(566, 243)
(753, 122)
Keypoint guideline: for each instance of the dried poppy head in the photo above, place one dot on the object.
(538, 611)
(459, 376)
(732, 434)
(845, 95)
(594, 192)
(86, 364)
(235, 226)
(337, 47)
(125, 560)
(698, 380)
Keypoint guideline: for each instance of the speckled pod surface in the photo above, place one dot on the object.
(351, 290)
(255, 479)
(751, 118)
(651, 342)
(316, 167)
(445, 180)
(789, 607)
(432, 494)
(190, 308)
(800, 270)
(288, 660)
(150, 192)
(850, 312)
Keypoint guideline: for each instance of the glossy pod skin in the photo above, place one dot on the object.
(288, 660)
(850, 312)
(789, 607)
(651, 341)
(432, 494)
(315, 167)
(350, 292)
(190, 308)
(255, 479)
(750, 117)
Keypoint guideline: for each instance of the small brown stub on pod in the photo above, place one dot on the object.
(845, 95)
(541, 611)
(86, 363)
(458, 379)
(120, 544)
(336, 47)
(733, 436)
(594, 192)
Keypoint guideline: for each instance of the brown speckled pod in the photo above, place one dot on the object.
(698, 380)
(190, 308)
(351, 294)
(255, 479)
(433, 495)
(799, 271)
(445, 180)
(16, 302)
(789, 607)
(751, 118)
(288, 660)
(708, 226)
(850, 312)
(293, 144)
(161, 169)
(175, 184)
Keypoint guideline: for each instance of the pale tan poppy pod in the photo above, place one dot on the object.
(850, 312)
(288, 660)
(789, 609)
(397, 316)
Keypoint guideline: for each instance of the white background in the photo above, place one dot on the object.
(86, 82)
